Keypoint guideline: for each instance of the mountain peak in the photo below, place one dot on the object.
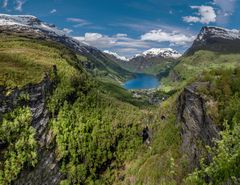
(163, 52)
(28, 21)
(216, 39)
(218, 32)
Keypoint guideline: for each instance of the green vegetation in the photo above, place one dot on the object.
(17, 133)
(223, 88)
(192, 66)
(224, 167)
(97, 125)
(26, 61)
(160, 161)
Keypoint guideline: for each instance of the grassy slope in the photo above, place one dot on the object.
(26, 61)
(191, 66)
(102, 113)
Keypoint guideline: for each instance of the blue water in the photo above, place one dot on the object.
(142, 81)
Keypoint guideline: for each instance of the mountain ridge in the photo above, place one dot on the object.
(31, 26)
(216, 39)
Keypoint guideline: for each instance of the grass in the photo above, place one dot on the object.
(25, 61)
(192, 66)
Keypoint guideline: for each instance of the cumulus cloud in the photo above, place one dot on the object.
(174, 38)
(53, 11)
(78, 22)
(104, 41)
(19, 5)
(205, 15)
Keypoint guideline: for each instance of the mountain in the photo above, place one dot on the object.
(156, 61)
(216, 39)
(213, 48)
(160, 52)
(31, 26)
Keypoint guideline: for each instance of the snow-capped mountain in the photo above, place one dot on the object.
(28, 21)
(216, 39)
(217, 32)
(163, 52)
(116, 55)
(31, 27)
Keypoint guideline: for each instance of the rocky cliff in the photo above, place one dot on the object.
(197, 129)
(35, 96)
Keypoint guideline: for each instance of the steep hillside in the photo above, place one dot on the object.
(56, 116)
(93, 59)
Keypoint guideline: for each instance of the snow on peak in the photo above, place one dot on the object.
(28, 21)
(164, 52)
(116, 55)
(218, 32)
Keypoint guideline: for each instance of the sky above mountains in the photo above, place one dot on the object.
(129, 27)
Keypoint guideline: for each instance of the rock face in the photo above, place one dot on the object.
(216, 39)
(197, 129)
(47, 170)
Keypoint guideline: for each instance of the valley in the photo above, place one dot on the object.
(72, 114)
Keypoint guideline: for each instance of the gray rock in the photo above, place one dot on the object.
(197, 129)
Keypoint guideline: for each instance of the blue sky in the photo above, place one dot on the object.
(131, 26)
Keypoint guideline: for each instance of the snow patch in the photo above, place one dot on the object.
(164, 52)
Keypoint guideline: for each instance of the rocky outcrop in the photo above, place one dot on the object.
(197, 129)
(47, 171)
(216, 39)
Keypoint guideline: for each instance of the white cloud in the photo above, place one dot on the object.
(78, 22)
(120, 43)
(126, 46)
(5, 4)
(97, 40)
(205, 15)
(53, 11)
(174, 38)
(67, 31)
(19, 4)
